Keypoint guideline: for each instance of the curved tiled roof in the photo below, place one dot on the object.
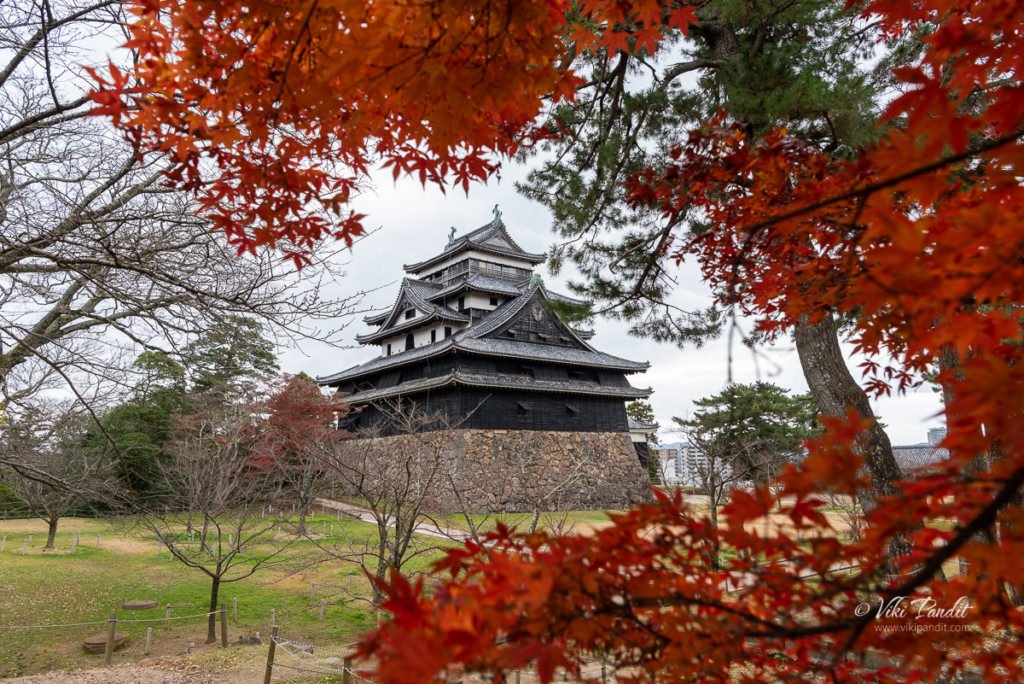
(499, 381)
(496, 285)
(473, 340)
(417, 291)
(477, 239)
(481, 282)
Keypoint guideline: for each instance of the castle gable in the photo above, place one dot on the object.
(529, 319)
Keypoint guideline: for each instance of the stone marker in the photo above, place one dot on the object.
(97, 643)
(138, 605)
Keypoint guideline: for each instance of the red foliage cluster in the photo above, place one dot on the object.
(296, 416)
(273, 113)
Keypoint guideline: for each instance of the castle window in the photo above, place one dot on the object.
(433, 336)
(462, 303)
(389, 350)
(494, 301)
(571, 411)
(410, 342)
(526, 371)
(575, 374)
(523, 408)
(447, 331)
(409, 313)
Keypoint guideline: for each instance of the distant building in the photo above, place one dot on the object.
(917, 457)
(680, 464)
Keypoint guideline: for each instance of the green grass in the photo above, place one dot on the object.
(556, 520)
(57, 588)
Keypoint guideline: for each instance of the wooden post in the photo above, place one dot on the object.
(167, 615)
(312, 594)
(322, 604)
(273, 622)
(270, 655)
(234, 608)
(97, 541)
(3, 544)
(517, 676)
(223, 624)
(108, 653)
(24, 547)
(346, 667)
(149, 641)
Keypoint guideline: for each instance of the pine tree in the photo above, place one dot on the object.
(799, 64)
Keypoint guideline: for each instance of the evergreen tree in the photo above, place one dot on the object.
(758, 427)
(642, 412)
(226, 363)
(798, 63)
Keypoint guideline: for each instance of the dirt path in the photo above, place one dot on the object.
(165, 671)
(427, 528)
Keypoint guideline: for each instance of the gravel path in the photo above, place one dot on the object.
(171, 671)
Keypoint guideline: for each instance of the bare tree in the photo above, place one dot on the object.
(397, 486)
(209, 476)
(718, 467)
(98, 258)
(47, 465)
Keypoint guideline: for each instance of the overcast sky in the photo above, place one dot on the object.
(414, 224)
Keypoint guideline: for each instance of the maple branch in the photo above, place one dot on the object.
(985, 519)
(872, 188)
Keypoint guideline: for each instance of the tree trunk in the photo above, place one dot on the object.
(302, 522)
(716, 548)
(834, 391)
(52, 534)
(211, 625)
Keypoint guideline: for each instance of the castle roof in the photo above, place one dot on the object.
(481, 339)
(492, 238)
(501, 381)
(520, 331)
(413, 293)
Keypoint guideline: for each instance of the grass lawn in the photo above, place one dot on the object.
(55, 587)
(564, 521)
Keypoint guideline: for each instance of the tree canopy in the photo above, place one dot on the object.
(757, 427)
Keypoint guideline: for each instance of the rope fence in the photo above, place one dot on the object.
(307, 658)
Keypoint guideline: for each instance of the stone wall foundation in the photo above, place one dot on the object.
(526, 470)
